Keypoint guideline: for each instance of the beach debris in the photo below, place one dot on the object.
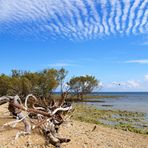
(21, 133)
(94, 128)
(14, 123)
(47, 118)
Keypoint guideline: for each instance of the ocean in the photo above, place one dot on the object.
(125, 101)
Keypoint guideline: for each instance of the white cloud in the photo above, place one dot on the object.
(132, 15)
(144, 61)
(139, 15)
(118, 15)
(111, 17)
(75, 19)
(146, 77)
(129, 85)
(133, 84)
(126, 84)
(104, 17)
(144, 21)
(61, 65)
(126, 10)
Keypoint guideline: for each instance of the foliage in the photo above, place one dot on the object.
(4, 84)
(23, 82)
(82, 85)
(43, 83)
(47, 82)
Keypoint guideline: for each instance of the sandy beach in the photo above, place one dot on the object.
(77, 68)
(82, 135)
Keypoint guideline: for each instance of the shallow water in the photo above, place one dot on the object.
(134, 101)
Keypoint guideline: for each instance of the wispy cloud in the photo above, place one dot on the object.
(144, 61)
(139, 16)
(111, 16)
(62, 65)
(143, 22)
(75, 19)
(129, 85)
(132, 15)
(118, 15)
(126, 9)
(124, 84)
(146, 77)
(145, 43)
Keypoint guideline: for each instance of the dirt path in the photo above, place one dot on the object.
(81, 136)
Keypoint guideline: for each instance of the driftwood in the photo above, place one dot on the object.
(4, 100)
(49, 118)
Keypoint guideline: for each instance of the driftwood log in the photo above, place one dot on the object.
(49, 118)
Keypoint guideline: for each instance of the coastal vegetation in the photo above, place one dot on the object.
(44, 83)
(82, 85)
(125, 120)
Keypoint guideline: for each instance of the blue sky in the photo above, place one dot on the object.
(104, 38)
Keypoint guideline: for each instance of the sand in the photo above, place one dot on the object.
(82, 135)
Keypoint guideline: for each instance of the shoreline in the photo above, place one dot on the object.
(88, 98)
(82, 135)
(126, 120)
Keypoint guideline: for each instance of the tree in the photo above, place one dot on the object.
(47, 82)
(34, 79)
(16, 73)
(62, 73)
(43, 82)
(22, 83)
(25, 86)
(82, 85)
(4, 84)
(21, 86)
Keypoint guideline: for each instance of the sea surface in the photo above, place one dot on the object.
(125, 101)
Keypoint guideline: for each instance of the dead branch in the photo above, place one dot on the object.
(49, 117)
(4, 100)
(14, 123)
(26, 100)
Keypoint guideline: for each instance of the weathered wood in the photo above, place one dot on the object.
(40, 123)
(31, 110)
(4, 100)
(49, 117)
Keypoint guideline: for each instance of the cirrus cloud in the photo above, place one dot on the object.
(143, 61)
(62, 65)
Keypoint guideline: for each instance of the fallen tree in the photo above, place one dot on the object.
(48, 118)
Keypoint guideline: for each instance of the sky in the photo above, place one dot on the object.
(104, 38)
